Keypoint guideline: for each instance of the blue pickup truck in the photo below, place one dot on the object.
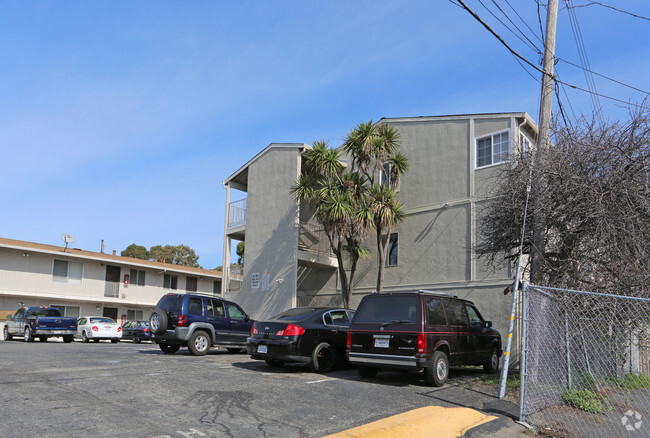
(41, 323)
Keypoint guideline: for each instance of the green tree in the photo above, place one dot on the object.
(178, 255)
(241, 247)
(375, 153)
(136, 251)
(337, 197)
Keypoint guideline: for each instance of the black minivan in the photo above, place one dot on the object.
(420, 331)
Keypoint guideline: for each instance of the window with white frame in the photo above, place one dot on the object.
(492, 149)
(64, 270)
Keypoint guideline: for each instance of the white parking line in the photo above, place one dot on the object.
(319, 381)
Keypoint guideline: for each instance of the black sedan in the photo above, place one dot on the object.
(315, 336)
(136, 330)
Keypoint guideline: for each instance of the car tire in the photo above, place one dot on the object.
(42, 338)
(199, 343)
(84, 337)
(234, 350)
(274, 363)
(7, 336)
(95, 340)
(136, 340)
(114, 341)
(158, 322)
(169, 348)
(437, 371)
(68, 339)
(323, 358)
(366, 371)
(491, 365)
(29, 336)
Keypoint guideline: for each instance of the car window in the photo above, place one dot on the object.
(215, 308)
(19, 313)
(436, 311)
(101, 320)
(388, 308)
(171, 303)
(456, 312)
(81, 321)
(474, 317)
(234, 312)
(337, 317)
(195, 306)
(294, 314)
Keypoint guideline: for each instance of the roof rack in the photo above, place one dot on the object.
(424, 291)
(435, 292)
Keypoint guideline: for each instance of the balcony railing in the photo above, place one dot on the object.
(237, 213)
(312, 238)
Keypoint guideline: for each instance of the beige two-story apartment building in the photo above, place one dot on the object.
(91, 283)
(453, 162)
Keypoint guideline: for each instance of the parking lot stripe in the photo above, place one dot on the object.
(321, 380)
(429, 422)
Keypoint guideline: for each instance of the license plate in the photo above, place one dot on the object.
(381, 343)
(262, 349)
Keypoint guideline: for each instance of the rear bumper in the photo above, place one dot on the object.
(386, 360)
(286, 351)
(54, 332)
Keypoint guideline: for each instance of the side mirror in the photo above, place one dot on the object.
(247, 318)
(488, 324)
(9, 317)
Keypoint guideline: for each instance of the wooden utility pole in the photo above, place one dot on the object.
(539, 185)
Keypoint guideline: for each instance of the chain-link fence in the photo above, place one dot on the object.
(585, 368)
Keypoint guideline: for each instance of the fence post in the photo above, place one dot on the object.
(522, 353)
(568, 348)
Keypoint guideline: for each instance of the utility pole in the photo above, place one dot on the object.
(539, 185)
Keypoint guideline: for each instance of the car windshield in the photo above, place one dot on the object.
(388, 309)
(295, 314)
(102, 320)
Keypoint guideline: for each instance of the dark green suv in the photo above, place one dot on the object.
(420, 331)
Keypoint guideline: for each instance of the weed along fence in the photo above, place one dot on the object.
(585, 367)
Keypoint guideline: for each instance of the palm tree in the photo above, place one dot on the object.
(338, 199)
(375, 153)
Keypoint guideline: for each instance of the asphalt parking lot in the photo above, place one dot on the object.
(108, 390)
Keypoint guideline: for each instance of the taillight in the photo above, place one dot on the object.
(182, 321)
(422, 343)
(291, 330)
(254, 331)
(119, 329)
(145, 330)
(348, 342)
(95, 329)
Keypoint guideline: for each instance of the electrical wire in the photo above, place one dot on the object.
(591, 3)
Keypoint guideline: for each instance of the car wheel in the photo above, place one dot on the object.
(7, 336)
(136, 340)
(491, 365)
(438, 370)
(234, 350)
(323, 358)
(29, 337)
(199, 343)
(84, 337)
(68, 339)
(158, 322)
(95, 340)
(169, 348)
(366, 371)
(42, 338)
(114, 341)
(274, 363)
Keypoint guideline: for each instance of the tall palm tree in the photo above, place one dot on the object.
(374, 150)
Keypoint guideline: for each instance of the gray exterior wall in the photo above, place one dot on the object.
(271, 233)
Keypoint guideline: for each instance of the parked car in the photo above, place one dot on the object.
(136, 331)
(98, 328)
(315, 336)
(421, 331)
(41, 323)
(198, 322)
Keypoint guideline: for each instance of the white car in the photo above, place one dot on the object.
(98, 327)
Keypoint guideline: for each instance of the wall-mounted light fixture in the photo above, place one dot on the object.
(25, 254)
(98, 308)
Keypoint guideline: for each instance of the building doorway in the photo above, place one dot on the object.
(110, 312)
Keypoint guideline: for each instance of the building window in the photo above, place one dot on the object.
(170, 281)
(492, 149)
(64, 270)
(391, 258)
(134, 315)
(137, 277)
(72, 311)
(216, 287)
(191, 284)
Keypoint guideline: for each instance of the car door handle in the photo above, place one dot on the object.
(233, 322)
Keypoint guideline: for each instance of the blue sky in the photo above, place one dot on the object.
(120, 119)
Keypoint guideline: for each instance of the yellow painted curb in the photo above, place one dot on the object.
(429, 422)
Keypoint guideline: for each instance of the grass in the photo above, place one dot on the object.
(512, 384)
(586, 400)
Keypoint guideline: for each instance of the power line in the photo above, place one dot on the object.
(591, 3)
(605, 77)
